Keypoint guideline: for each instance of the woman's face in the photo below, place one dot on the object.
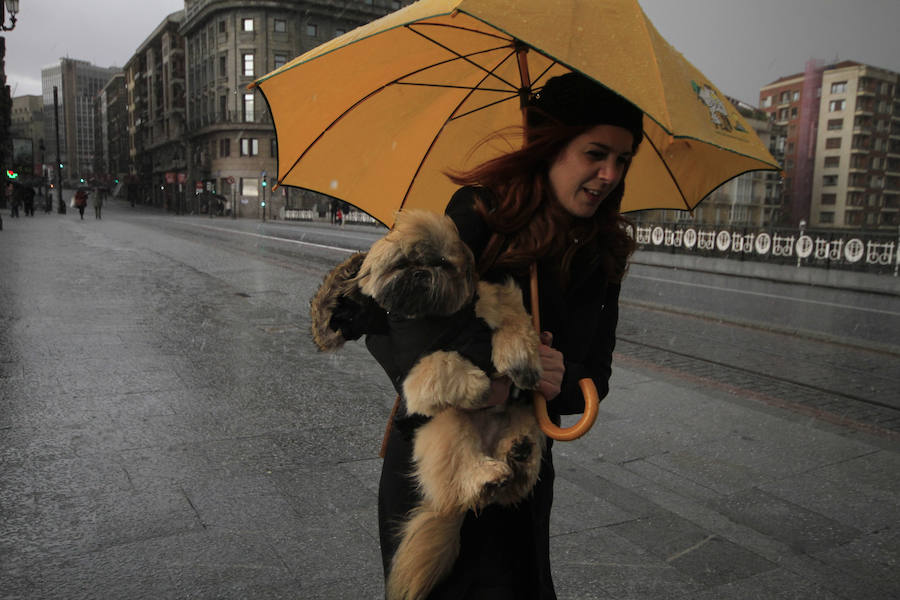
(590, 167)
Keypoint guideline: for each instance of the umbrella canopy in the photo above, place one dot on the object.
(378, 115)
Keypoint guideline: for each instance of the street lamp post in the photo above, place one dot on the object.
(11, 7)
(61, 207)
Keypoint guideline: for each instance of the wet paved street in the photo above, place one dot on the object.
(168, 431)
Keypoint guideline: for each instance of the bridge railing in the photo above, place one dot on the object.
(875, 252)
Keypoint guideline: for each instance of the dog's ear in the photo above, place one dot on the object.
(339, 283)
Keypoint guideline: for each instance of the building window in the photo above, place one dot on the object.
(826, 217)
(395, 5)
(767, 102)
(225, 147)
(829, 199)
(339, 32)
(273, 147)
(223, 65)
(839, 87)
(280, 25)
(832, 162)
(249, 146)
(222, 26)
(312, 30)
(835, 124)
(280, 60)
(836, 105)
(248, 108)
(248, 64)
(247, 24)
(795, 96)
(829, 180)
(223, 107)
(832, 143)
(853, 218)
(785, 98)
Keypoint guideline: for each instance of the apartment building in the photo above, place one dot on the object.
(229, 44)
(26, 131)
(158, 143)
(77, 83)
(842, 144)
(856, 181)
(111, 125)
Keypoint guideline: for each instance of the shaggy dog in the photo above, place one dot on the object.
(465, 459)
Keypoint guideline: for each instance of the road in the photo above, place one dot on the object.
(168, 431)
(819, 348)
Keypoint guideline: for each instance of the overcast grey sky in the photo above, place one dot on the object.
(740, 45)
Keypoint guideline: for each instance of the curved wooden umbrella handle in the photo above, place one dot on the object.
(588, 389)
(567, 434)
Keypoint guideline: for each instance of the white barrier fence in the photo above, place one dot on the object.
(293, 214)
(851, 251)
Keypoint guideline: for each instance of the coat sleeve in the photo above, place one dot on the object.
(596, 362)
(472, 228)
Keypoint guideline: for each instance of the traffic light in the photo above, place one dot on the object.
(12, 174)
(263, 203)
(264, 183)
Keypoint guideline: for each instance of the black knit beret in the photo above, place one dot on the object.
(573, 99)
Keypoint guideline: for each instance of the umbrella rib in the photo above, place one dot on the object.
(458, 28)
(669, 171)
(544, 72)
(438, 134)
(397, 81)
(465, 57)
(512, 96)
(453, 87)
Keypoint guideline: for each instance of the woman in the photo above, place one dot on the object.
(81, 197)
(554, 202)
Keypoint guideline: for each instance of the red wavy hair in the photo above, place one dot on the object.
(526, 220)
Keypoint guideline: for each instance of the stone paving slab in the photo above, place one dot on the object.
(168, 431)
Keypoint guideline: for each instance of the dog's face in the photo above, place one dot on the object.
(421, 268)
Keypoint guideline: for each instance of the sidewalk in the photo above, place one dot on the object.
(167, 430)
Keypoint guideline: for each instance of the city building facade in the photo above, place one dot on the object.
(77, 83)
(111, 125)
(157, 133)
(26, 131)
(842, 144)
(229, 44)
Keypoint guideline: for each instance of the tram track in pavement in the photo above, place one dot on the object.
(822, 402)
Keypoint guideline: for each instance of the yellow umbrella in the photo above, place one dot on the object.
(377, 116)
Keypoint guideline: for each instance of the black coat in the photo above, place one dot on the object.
(506, 550)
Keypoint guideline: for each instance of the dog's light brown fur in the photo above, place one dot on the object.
(464, 459)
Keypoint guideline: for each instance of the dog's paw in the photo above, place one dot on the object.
(525, 379)
(520, 450)
(484, 482)
(515, 353)
(443, 379)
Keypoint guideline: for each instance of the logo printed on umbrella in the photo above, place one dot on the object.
(718, 113)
